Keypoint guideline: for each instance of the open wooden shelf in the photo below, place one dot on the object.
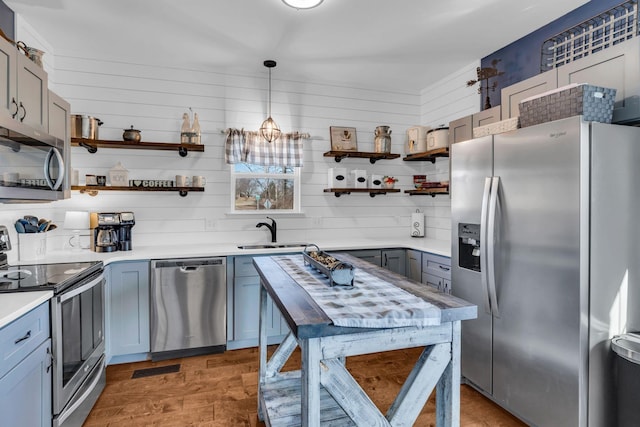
(373, 157)
(372, 191)
(428, 191)
(92, 145)
(93, 190)
(429, 156)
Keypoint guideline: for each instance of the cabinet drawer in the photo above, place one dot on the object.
(22, 336)
(436, 265)
(439, 283)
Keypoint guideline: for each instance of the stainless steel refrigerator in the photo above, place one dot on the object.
(545, 239)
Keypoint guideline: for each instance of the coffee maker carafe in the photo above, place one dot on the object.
(105, 235)
(127, 221)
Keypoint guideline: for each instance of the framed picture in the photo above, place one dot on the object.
(343, 139)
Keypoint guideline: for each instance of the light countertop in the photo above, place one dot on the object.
(14, 305)
(438, 247)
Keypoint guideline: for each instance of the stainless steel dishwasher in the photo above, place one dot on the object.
(188, 307)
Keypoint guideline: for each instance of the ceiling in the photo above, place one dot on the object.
(392, 44)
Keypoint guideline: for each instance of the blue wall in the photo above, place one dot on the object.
(521, 59)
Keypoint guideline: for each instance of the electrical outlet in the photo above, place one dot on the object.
(209, 224)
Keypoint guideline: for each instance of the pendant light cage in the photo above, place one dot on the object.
(269, 128)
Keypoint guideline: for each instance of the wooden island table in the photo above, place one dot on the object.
(322, 392)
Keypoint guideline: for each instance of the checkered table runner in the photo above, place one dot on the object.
(371, 303)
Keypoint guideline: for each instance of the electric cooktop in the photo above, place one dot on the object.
(44, 277)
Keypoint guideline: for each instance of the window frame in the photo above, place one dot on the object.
(296, 177)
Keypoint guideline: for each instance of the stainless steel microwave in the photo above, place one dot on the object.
(34, 166)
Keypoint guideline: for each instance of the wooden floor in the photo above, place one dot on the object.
(221, 391)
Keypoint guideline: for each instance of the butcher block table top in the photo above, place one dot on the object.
(323, 392)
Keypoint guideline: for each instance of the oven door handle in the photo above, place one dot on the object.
(71, 409)
(72, 293)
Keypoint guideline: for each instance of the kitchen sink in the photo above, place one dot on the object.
(274, 246)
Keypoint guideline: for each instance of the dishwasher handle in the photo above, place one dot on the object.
(188, 264)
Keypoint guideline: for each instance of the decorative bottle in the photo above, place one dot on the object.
(195, 130)
(185, 130)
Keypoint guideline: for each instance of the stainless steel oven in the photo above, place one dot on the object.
(77, 328)
(77, 332)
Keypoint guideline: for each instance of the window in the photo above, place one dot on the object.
(264, 188)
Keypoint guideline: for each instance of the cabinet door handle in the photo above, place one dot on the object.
(13, 115)
(24, 110)
(50, 359)
(25, 337)
(386, 261)
(442, 267)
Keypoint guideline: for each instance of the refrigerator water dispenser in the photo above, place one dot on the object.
(469, 246)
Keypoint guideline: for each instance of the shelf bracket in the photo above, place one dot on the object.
(339, 193)
(90, 148)
(372, 195)
(339, 158)
(373, 160)
(183, 152)
(183, 193)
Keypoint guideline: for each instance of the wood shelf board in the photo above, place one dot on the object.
(361, 155)
(430, 155)
(168, 146)
(123, 188)
(428, 191)
(362, 190)
(281, 398)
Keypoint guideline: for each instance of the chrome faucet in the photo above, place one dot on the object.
(272, 227)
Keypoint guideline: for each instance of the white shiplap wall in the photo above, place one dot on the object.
(153, 98)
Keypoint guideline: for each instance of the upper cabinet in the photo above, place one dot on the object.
(461, 129)
(615, 67)
(59, 117)
(486, 117)
(512, 95)
(23, 88)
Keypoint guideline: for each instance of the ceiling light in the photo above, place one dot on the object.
(269, 129)
(302, 4)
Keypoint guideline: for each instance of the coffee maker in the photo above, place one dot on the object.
(105, 234)
(127, 221)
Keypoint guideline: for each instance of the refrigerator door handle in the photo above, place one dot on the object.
(490, 239)
(483, 244)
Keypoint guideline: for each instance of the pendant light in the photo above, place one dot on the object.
(269, 129)
(302, 4)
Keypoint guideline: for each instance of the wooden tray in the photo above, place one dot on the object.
(339, 274)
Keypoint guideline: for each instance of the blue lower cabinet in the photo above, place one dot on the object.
(127, 305)
(244, 313)
(25, 391)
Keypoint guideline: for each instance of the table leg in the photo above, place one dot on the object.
(448, 388)
(310, 372)
(262, 348)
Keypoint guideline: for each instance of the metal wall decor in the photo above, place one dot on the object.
(484, 75)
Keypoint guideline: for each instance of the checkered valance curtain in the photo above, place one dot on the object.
(250, 147)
